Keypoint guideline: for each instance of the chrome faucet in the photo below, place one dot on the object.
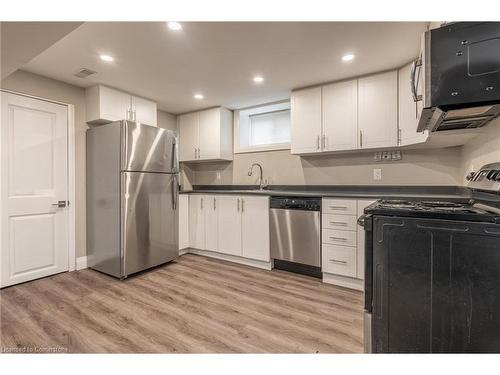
(262, 185)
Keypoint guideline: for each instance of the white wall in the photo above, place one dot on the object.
(417, 167)
(481, 150)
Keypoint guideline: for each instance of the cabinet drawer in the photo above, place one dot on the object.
(339, 237)
(340, 260)
(342, 222)
(339, 206)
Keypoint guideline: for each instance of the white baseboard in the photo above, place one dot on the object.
(346, 282)
(232, 258)
(183, 251)
(81, 263)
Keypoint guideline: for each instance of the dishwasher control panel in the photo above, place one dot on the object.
(296, 203)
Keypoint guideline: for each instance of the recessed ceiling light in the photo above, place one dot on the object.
(348, 57)
(176, 26)
(107, 58)
(258, 79)
(198, 96)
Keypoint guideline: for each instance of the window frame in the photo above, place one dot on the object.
(256, 110)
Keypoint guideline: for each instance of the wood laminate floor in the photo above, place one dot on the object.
(193, 305)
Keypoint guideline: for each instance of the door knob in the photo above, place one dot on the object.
(59, 204)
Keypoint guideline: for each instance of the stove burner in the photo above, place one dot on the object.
(437, 204)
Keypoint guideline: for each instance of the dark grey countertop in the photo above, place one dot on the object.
(340, 191)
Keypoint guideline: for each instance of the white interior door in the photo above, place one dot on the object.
(34, 230)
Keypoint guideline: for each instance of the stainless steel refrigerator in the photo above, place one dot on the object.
(132, 195)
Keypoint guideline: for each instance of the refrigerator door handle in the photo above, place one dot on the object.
(175, 192)
(174, 163)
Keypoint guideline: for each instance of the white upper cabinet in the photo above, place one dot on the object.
(340, 116)
(188, 136)
(105, 105)
(206, 135)
(378, 110)
(144, 111)
(306, 121)
(408, 110)
(255, 228)
(209, 130)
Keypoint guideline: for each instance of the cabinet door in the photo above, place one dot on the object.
(196, 222)
(378, 110)
(211, 231)
(114, 105)
(183, 221)
(145, 111)
(306, 121)
(229, 224)
(255, 228)
(340, 116)
(408, 111)
(209, 125)
(360, 272)
(188, 136)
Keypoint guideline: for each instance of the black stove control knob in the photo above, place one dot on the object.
(470, 176)
(497, 176)
(493, 175)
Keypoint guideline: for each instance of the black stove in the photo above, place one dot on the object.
(468, 210)
(432, 272)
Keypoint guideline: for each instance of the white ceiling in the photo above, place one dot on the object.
(22, 41)
(219, 59)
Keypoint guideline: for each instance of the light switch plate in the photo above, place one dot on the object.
(377, 174)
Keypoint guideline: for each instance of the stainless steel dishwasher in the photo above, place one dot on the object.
(295, 234)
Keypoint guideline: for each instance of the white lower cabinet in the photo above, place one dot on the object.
(255, 228)
(340, 260)
(343, 250)
(211, 223)
(196, 222)
(231, 225)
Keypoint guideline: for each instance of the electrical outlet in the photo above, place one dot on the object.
(377, 174)
(396, 155)
(386, 156)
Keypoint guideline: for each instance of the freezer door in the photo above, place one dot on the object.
(148, 149)
(149, 220)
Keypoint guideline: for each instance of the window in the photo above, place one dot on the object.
(263, 128)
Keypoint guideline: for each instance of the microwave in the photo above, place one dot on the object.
(459, 69)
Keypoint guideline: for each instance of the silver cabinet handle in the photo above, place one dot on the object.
(317, 143)
(238, 206)
(414, 81)
(215, 204)
(338, 261)
(242, 205)
(59, 204)
(338, 238)
(198, 153)
(361, 138)
(338, 207)
(195, 153)
(338, 223)
(201, 203)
